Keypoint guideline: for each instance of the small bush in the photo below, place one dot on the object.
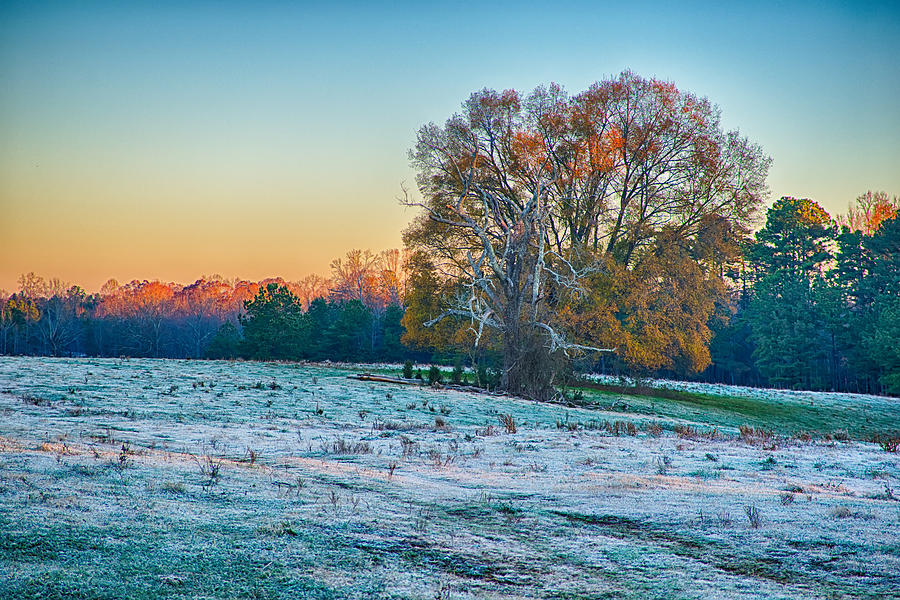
(456, 375)
(482, 376)
(686, 431)
(434, 375)
(840, 512)
(408, 370)
(408, 446)
(888, 443)
(277, 529)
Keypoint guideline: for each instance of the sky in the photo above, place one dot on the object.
(174, 140)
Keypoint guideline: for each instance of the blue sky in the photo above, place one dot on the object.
(172, 140)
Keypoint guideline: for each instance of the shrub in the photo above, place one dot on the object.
(408, 370)
(457, 374)
(482, 376)
(840, 512)
(888, 443)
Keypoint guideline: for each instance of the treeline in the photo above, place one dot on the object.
(208, 317)
(818, 305)
(275, 326)
(813, 302)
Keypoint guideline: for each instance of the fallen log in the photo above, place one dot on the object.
(419, 382)
(384, 379)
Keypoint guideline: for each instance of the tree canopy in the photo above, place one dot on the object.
(527, 198)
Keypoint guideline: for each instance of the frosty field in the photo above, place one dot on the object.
(183, 479)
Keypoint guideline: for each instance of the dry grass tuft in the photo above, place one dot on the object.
(508, 423)
(754, 516)
(36, 400)
(210, 469)
(342, 446)
(756, 435)
(844, 512)
(173, 487)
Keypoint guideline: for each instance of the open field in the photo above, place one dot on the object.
(180, 479)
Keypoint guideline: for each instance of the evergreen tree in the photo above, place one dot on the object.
(226, 343)
(789, 259)
(882, 344)
(275, 326)
(348, 336)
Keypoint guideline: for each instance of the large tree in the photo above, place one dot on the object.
(274, 325)
(528, 198)
(790, 257)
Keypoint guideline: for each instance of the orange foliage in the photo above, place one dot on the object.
(870, 211)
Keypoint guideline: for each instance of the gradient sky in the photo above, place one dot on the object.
(181, 139)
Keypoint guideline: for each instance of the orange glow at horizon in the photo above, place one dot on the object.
(88, 239)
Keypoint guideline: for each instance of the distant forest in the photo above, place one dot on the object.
(812, 302)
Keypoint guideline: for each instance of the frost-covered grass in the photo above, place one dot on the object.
(147, 479)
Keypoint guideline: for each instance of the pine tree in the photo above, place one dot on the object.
(789, 259)
(274, 325)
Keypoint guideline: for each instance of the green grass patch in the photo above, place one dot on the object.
(785, 417)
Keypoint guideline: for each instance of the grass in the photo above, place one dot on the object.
(150, 562)
(785, 418)
(397, 504)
